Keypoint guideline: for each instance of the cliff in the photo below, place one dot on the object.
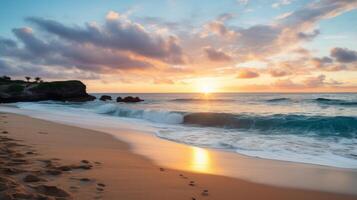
(21, 91)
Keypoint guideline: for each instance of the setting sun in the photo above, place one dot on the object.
(206, 89)
(206, 85)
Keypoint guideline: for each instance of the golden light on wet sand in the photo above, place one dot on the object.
(201, 161)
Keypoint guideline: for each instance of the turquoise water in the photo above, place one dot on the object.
(311, 128)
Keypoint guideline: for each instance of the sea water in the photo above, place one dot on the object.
(309, 128)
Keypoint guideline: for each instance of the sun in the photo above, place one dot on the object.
(206, 89)
(206, 85)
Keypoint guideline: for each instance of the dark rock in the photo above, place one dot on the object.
(105, 98)
(14, 91)
(129, 99)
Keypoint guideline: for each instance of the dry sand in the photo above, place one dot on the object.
(63, 160)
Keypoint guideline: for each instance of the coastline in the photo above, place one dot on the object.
(131, 176)
(142, 141)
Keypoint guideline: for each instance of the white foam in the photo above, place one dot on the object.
(334, 152)
(160, 116)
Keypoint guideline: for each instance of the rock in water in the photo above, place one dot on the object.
(105, 98)
(20, 91)
(129, 99)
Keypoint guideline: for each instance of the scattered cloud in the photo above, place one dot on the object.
(344, 55)
(216, 55)
(246, 74)
(118, 33)
(280, 3)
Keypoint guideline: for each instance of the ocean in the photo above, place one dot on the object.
(307, 128)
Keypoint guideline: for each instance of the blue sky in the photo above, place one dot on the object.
(216, 38)
(12, 14)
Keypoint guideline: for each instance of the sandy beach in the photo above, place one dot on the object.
(45, 160)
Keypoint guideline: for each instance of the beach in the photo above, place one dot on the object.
(113, 171)
(178, 100)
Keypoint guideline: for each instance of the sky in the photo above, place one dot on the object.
(183, 45)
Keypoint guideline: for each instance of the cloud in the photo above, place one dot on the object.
(284, 15)
(216, 55)
(163, 81)
(318, 10)
(280, 3)
(117, 33)
(21, 70)
(309, 82)
(218, 27)
(308, 36)
(246, 74)
(112, 15)
(278, 72)
(315, 81)
(344, 55)
(118, 44)
(243, 2)
(61, 53)
(284, 34)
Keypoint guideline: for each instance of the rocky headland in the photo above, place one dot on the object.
(22, 91)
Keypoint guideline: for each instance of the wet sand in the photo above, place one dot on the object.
(45, 160)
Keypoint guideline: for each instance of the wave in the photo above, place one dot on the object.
(278, 99)
(203, 100)
(335, 102)
(298, 124)
(325, 101)
(160, 116)
(341, 126)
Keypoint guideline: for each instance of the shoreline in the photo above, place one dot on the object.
(184, 157)
(179, 156)
(137, 174)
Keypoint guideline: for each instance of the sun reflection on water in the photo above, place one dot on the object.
(200, 160)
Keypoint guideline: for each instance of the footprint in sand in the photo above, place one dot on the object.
(31, 178)
(73, 188)
(204, 193)
(85, 180)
